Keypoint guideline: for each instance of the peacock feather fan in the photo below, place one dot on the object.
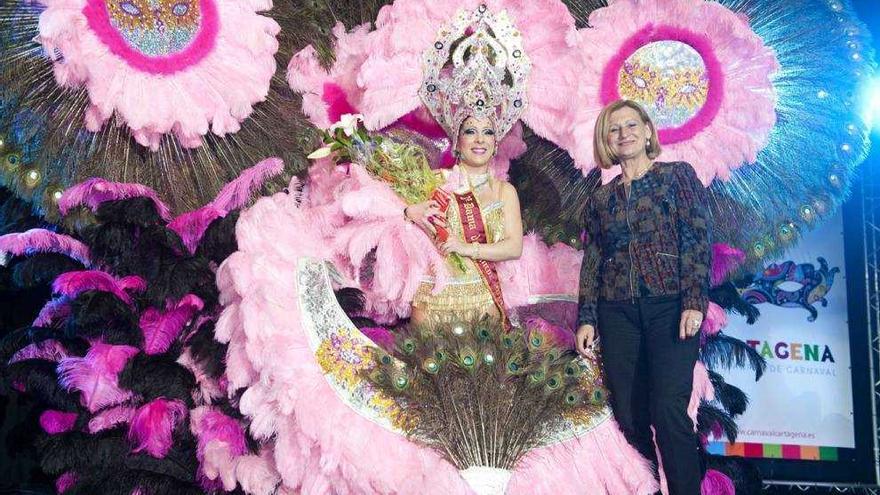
(480, 395)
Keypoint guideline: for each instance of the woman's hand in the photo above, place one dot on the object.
(691, 321)
(426, 215)
(585, 340)
(455, 245)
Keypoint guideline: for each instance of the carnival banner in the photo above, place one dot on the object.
(802, 408)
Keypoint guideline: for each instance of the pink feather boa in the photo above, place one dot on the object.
(155, 96)
(44, 241)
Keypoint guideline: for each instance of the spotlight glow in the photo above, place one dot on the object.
(872, 109)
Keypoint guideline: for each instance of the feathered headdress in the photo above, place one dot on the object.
(487, 76)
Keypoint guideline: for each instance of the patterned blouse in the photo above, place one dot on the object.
(653, 243)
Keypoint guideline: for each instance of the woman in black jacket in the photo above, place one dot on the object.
(644, 287)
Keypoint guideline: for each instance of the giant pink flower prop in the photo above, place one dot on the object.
(180, 67)
(697, 67)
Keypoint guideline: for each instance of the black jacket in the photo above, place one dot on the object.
(654, 243)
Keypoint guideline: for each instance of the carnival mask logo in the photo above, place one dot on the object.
(156, 36)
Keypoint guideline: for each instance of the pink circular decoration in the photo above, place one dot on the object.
(648, 37)
(131, 44)
(716, 134)
(163, 67)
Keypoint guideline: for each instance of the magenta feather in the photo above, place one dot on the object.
(211, 425)
(238, 192)
(717, 483)
(49, 350)
(153, 425)
(55, 422)
(44, 241)
(725, 259)
(109, 418)
(95, 375)
(191, 226)
(95, 191)
(52, 311)
(161, 328)
(65, 481)
(71, 284)
(380, 335)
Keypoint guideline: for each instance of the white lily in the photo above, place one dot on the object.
(348, 123)
(319, 153)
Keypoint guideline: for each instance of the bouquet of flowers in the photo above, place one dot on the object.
(403, 166)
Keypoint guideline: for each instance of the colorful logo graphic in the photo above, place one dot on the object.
(792, 285)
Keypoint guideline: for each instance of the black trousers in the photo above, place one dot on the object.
(649, 373)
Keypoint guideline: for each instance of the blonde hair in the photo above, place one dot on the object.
(603, 155)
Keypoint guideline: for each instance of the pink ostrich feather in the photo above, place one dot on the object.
(613, 467)
(725, 260)
(65, 482)
(716, 319)
(178, 94)
(94, 191)
(221, 442)
(71, 284)
(161, 328)
(329, 95)
(111, 417)
(238, 192)
(703, 390)
(540, 270)
(153, 425)
(96, 374)
(717, 483)
(735, 122)
(55, 422)
(53, 311)
(44, 241)
(191, 226)
(49, 350)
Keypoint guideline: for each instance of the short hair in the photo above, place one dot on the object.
(605, 158)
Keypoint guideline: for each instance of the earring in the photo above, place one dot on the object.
(456, 154)
(648, 143)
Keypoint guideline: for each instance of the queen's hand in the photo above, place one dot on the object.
(425, 215)
(455, 245)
